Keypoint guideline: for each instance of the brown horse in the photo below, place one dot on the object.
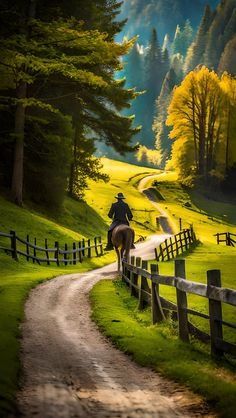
(122, 239)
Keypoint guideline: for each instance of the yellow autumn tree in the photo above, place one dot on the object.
(195, 115)
(228, 85)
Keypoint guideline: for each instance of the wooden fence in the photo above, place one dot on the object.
(176, 245)
(145, 286)
(44, 254)
(227, 238)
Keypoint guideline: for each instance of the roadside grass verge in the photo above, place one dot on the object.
(158, 347)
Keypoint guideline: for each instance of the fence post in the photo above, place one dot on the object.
(215, 313)
(132, 261)
(144, 286)
(100, 243)
(157, 312)
(171, 248)
(89, 248)
(46, 252)
(180, 224)
(65, 255)
(27, 247)
(167, 249)
(57, 252)
(96, 248)
(79, 252)
(133, 291)
(176, 243)
(83, 245)
(156, 254)
(182, 302)
(35, 254)
(13, 245)
(218, 238)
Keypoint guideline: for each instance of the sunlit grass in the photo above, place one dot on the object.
(159, 347)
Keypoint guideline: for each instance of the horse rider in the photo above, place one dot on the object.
(121, 215)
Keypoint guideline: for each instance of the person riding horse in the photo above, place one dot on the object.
(121, 215)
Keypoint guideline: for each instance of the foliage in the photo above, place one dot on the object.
(57, 65)
(202, 124)
(149, 157)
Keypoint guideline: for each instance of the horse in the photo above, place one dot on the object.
(122, 239)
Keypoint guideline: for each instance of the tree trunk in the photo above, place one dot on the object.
(21, 93)
(17, 175)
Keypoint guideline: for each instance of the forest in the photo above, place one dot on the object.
(151, 90)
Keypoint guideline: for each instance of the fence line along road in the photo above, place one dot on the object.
(145, 284)
(176, 245)
(18, 246)
(227, 238)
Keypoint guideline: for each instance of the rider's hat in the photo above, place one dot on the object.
(120, 196)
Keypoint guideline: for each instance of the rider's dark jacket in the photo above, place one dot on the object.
(120, 213)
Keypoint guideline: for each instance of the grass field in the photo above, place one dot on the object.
(75, 220)
(158, 347)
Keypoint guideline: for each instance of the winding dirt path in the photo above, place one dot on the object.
(70, 370)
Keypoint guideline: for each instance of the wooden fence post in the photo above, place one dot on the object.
(182, 302)
(46, 252)
(180, 224)
(27, 247)
(143, 287)
(35, 254)
(100, 243)
(83, 245)
(13, 245)
(57, 253)
(133, 291)
(89, 248)
(167, 250)
(96, 248)
(176, 243)
(157, 312)
(156, 254)
(215, 313)
(132, 261)
(79, 252)
(172, 248)
(65, 255)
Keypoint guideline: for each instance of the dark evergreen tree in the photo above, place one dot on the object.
(173, 78)
(228, 58)
(195, 55)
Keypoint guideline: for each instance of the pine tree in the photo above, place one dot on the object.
(228, 58)
(58, 60)
(195, 54)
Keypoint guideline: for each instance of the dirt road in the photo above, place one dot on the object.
(71, 370)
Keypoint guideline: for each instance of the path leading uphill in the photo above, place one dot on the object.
(70, 370)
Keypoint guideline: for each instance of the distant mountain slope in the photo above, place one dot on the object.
(163, 14)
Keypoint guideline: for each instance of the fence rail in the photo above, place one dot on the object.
(176, 245)
(145, 286)
(16, 246)
(227, 238)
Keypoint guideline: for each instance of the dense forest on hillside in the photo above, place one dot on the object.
(57, 94)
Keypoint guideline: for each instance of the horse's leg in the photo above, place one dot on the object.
(118, 258)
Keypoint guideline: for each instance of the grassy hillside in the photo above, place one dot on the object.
(157, 346)
(75, 220)
(123, 178)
